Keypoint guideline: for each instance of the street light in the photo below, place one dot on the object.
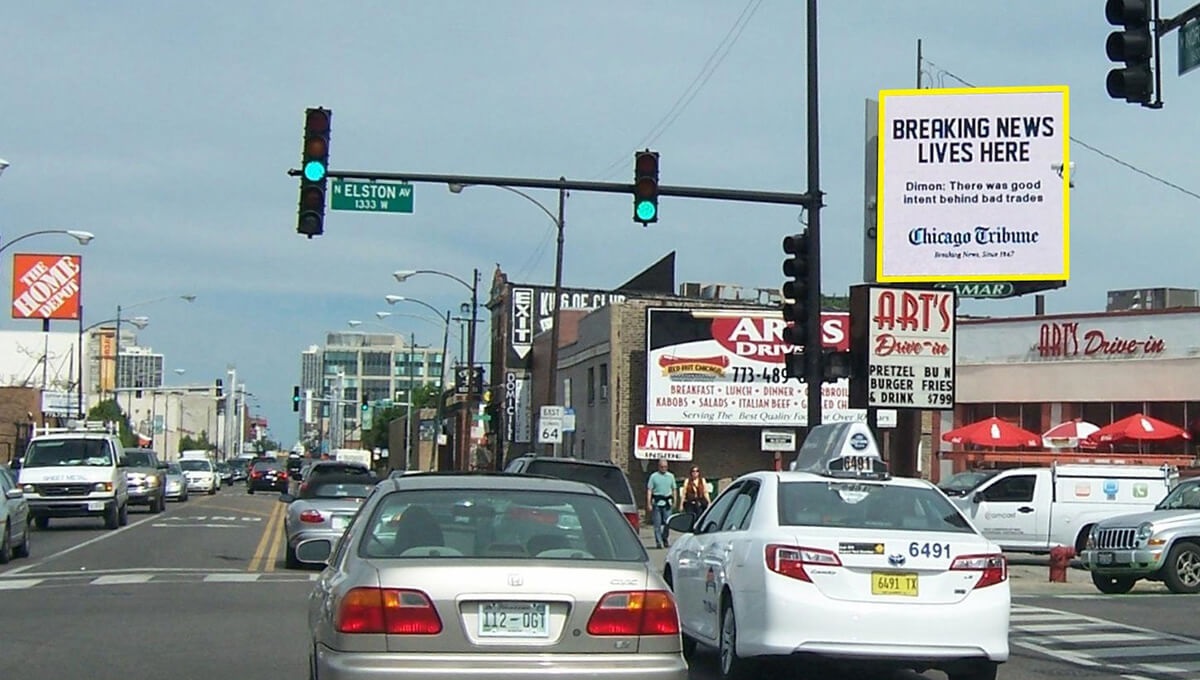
(83, 237)
(139, 321)
(441, 385)
(3, 165)
(117, 341)
(559, 224)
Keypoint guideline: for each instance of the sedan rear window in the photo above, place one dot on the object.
(856, 505)
(499, 524)
(608, 478)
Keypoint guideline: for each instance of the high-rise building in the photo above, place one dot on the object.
(381, 366)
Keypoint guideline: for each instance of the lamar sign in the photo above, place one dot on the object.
(46, 286)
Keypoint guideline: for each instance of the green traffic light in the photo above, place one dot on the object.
(314, 171)
(646, 210)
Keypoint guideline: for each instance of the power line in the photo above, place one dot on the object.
(1089, 147)
(689, 93)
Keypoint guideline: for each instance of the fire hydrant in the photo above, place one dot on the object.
(1060, 560)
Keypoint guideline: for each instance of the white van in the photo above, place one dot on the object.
(1036, 509)
(75, 471)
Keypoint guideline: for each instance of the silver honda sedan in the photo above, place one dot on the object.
(489, 577)
(322, 508)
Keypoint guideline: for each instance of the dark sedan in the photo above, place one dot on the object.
(267, 475)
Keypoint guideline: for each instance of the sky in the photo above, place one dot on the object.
(167, 129)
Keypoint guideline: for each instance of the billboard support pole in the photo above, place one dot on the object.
(45, 362)
(813, 369)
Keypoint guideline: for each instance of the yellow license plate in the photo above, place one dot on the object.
(893, 583)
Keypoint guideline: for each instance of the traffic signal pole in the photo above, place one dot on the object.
(813, 370)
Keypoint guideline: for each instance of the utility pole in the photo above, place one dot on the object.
(556, 317)
(813, 369)
(435, 463)
(408, 435)
(469, 405)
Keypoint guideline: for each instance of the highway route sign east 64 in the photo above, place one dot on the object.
(550, 425)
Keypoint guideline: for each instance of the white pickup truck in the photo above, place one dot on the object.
(1035, 509)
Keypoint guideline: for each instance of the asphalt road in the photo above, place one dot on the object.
(201, 590)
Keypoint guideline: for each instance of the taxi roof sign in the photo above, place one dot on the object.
(841, 449)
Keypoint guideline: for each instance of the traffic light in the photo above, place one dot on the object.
(366, 405)
(795, 301)
(296, 398)
(1132, 46)
(314, 165)
(645, 187)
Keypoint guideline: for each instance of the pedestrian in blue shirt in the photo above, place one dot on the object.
(661, 500)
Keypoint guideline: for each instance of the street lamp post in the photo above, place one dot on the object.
(473, 286)
(559, 224)
(117, 340)
(139, 321)
(83, 237)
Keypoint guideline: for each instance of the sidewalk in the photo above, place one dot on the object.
(1029, 575)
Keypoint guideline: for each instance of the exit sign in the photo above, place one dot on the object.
(366, 196)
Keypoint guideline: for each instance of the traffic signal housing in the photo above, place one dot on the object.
(1132, 46)
(314, 167)
(296, 398)
(795, 302)
(645, 187)
(366, 405)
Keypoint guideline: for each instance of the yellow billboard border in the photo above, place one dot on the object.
(1064, 275)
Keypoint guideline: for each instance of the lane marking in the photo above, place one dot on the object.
(226, 508)
(120, 579)
(176, 525)
(20, 584)
(109, 533)
(231, 578)
(279, 534)
(128, 570)
(264, 541)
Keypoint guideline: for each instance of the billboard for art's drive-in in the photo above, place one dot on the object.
(46, 286)
(725, 367)
(973, 185)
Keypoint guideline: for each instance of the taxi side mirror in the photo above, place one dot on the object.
(977, 497)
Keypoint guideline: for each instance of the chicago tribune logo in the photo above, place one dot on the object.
(980, 235)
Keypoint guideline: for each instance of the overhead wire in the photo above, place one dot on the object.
(714, 60)
(1100, 152)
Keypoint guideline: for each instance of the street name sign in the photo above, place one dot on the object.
(365, 196)
(1189, 46)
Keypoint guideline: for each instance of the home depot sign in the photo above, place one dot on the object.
(656, 442)
(46, 286)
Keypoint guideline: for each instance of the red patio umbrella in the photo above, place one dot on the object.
(993, 432)
(1138, 427)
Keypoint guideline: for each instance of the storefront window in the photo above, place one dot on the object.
(1096, 413)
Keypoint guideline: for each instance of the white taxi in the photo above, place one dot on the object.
(843, 564)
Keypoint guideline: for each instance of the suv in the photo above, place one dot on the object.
(146, 477)
(76, 472)
(601, 474)
(267, 474)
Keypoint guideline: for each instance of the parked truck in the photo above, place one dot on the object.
(1035, 509)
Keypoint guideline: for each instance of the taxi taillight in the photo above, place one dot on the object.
(388, 611)
(635, 612)
(789, 560)
(994, 568)
(312, 517)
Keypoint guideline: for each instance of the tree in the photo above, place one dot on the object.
(110, 411)
(267, 445)
(200, 443)
(424, 396)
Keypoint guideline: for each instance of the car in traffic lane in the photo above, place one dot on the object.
(267, 474)
(322, 508)
(845, 565)
(489, 576)
(16, 522)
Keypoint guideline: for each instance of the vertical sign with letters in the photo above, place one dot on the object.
(902, 340)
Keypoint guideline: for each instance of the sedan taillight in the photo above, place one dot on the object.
(312, 517)
(635, 612)
(387, 610)
(789, 560)
(994, 568)
(635, 520)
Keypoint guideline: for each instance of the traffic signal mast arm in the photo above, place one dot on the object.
(743, 195)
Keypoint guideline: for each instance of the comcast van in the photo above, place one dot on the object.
(75, 471)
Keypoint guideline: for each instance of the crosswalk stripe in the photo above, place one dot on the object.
(19, 584)
(230, 578)
(121, 579)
